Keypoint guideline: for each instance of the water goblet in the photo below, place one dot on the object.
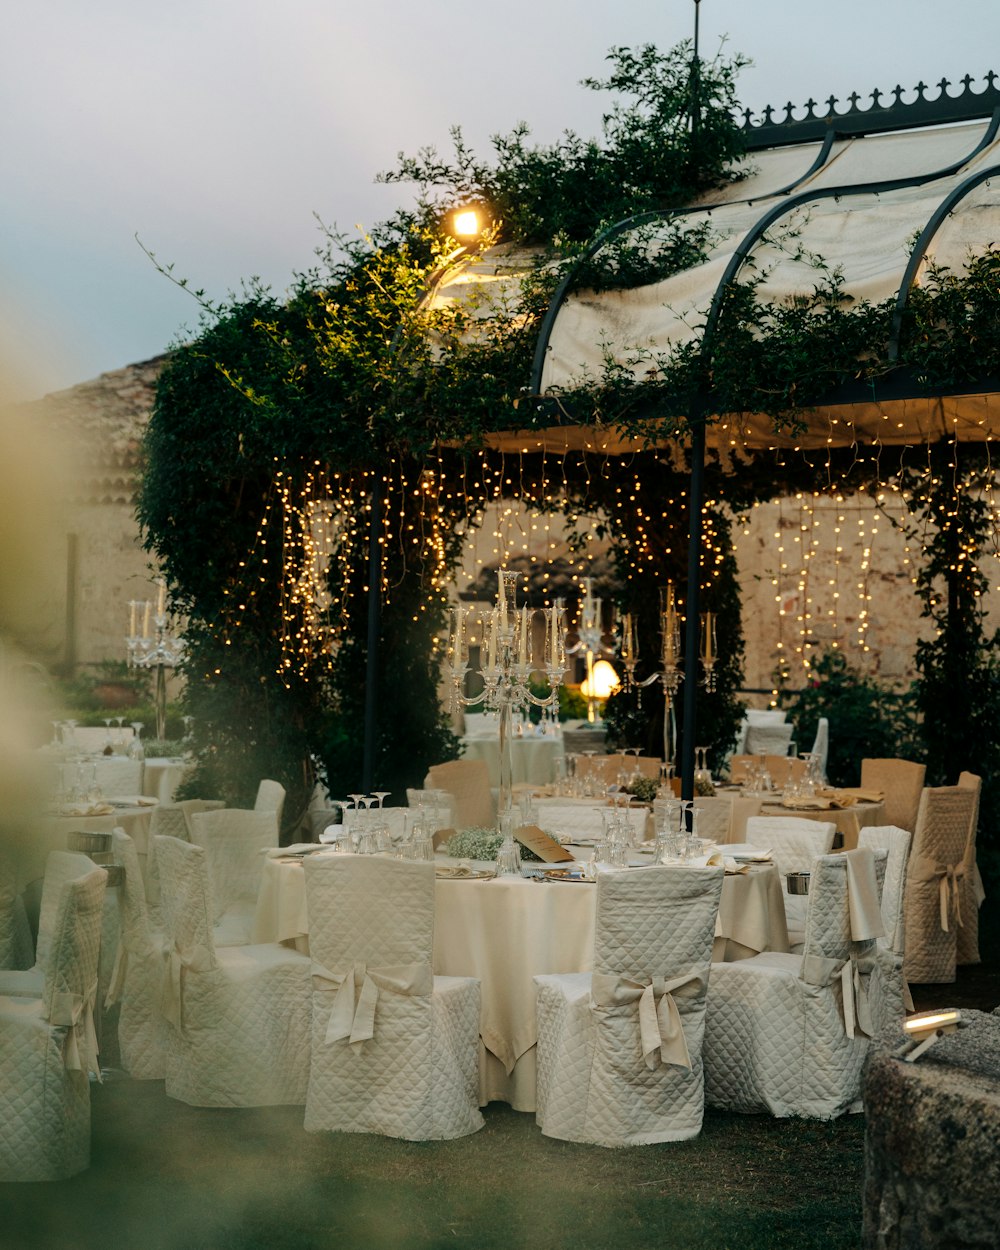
(109, 746)
(135, 749)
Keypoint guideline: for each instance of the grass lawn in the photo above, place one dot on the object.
(165, 1176)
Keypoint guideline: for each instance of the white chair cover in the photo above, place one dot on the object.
(138, 976)
(238, 1017)
(118, 775)
(901, 781)
(788, 1034)
(270, 798)
(889, 991)
(769, 739)
(60, 867)
(971, 887)
(619, 1049)
(235, 841)
(933, 883)
(795, 844)
(573, 821)
(16, 952)
(395, 1049)
(821, 744)
(48, 1046)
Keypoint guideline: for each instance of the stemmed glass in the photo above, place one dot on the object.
(135, 749)
(109, 746)
(121, 734)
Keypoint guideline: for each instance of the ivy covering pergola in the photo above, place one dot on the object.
(298, 436)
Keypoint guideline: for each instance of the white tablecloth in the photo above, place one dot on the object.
(50, 834)
(162, 776)
(508, 930)
(532, 760)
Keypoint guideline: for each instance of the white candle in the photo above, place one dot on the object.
(147, 612)
(523, 653)
(502, 596)
(709, 623)
(131, 618)
(161, 598)
(492, 657)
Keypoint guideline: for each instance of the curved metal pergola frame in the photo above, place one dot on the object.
(697, 418)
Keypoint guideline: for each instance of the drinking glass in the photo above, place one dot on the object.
(135, 750)
(508, 863)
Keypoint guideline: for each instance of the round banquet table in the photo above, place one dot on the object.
(507, 930)
(132, 813)
(162, 775)
(532, 760)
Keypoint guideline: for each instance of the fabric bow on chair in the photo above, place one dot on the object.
(660, 1025)
(194, 958)
(354, 1018)
(75, 1013)
(949, 878)
(855, 977)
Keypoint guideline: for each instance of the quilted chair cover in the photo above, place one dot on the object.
(117, 775)
(619, 1049)
(138, 974)
(934, 883)
(16, 951)
(171, 820)
(395, 1049)
(575, 820)
(270, 798)
(795, 843)
(971, 886)
(48, 1046)
(788, 1034)
(468, 782)
(821, 744)
(238, 1017)
(901, 781)
(715, 817)
(60, 867)
(235, 841)
(889, 992)
(769, 739)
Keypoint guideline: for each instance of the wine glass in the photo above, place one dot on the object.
(135, 749)
(120, 744)
(109, 746)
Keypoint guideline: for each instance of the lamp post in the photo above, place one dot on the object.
(464, 223)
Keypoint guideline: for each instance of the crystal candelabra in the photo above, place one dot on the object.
(671, 672)
(150, 645)
(510, 661)
(590, 634)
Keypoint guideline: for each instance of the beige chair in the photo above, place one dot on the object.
(16, 951)
(788, 1034)
(48, 1045)
(395, 1049)
(715, 817)
(781, 768)
(619, 1049)
(237, 1017)
(971, 885)
(468, 782)
(933, 883)
(901, 781)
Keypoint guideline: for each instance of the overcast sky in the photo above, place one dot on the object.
(216, 129)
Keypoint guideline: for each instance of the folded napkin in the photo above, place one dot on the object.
(748, 853)
(803, 803)
(144, 800)
(86, 809)
(858, 794)
(296, 849)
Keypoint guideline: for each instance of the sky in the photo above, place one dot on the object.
(216, 132)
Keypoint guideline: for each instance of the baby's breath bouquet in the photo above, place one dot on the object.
(643, 788)
(480, 843)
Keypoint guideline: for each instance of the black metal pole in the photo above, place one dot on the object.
(374, 631)
(696, 492)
